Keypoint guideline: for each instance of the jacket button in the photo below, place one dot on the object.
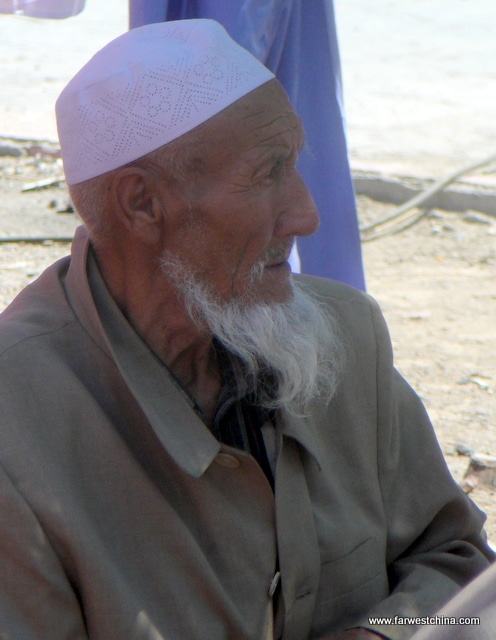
(227, 460)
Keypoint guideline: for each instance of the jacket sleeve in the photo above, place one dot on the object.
(36, 599)
(435, 539)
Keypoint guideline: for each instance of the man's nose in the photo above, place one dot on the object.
(299, 216)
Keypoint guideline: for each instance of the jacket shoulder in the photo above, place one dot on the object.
(38, 309)
(358, 317)
(334, 293)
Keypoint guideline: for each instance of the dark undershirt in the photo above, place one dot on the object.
(238, 419)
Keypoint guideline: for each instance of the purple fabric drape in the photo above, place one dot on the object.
(43, 8)
(297, 40)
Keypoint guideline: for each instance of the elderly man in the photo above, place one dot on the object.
(194, 445)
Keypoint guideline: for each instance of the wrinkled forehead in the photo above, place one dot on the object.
(264, 117)
(268, 113)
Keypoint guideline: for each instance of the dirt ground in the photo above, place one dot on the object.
(435, 282)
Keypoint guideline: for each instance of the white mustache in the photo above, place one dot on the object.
(274, 255)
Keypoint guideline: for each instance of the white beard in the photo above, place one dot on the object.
(292, 344)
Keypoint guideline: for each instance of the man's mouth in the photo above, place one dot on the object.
(278, 257)
(276, 265)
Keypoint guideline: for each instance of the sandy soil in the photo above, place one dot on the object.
(435, 282)
(436, 285)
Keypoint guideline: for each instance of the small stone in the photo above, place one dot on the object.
(474, 217)
(434, 214)
(13, 150)
(463, 450)
(66, 207)
(482, 469)
(37, 150)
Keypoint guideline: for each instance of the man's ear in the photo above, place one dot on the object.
(137, 203)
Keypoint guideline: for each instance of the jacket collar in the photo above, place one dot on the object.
(304, 430)
(168, 408)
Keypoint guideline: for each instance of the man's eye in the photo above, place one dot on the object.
(275, 170)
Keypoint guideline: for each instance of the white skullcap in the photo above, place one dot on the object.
(146, 88)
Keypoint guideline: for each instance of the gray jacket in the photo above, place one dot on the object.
(122, 518)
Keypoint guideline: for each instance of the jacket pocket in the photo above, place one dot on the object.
(349, 586)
